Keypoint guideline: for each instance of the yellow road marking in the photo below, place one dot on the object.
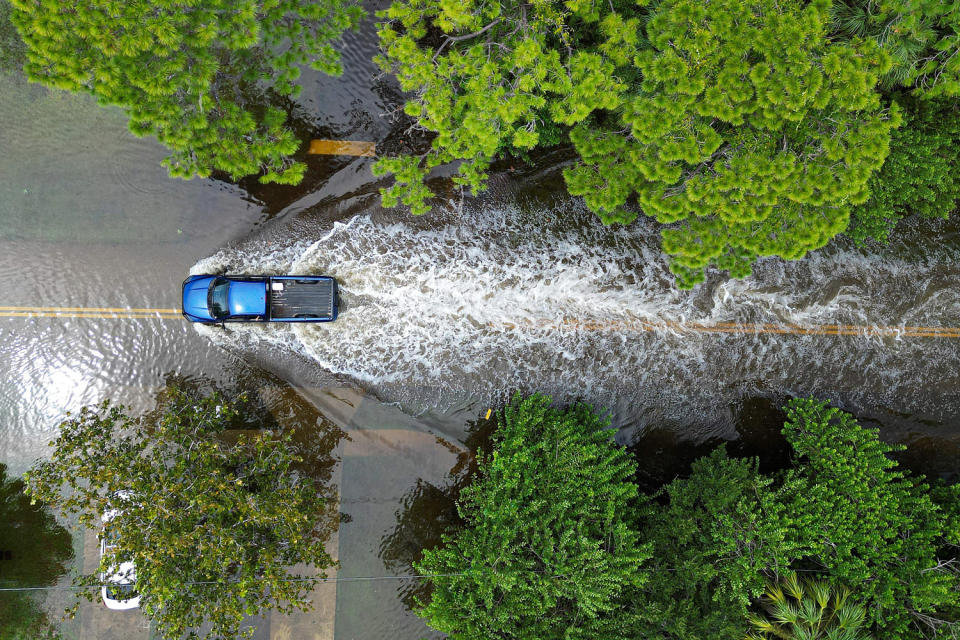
(87, 312)
(92, 309)
(102, 316)
(343, 148)
(754, 328)
(694, 327)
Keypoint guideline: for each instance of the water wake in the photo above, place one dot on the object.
(554, 301)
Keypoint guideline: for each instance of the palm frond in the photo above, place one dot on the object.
(792, 585)
(785, 613)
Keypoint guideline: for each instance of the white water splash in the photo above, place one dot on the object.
(504, 299)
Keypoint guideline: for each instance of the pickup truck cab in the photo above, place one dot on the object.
(213, 299)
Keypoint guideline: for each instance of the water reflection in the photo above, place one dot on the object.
(34, 548)
(34, 551)
(428, 510)
(270, 404)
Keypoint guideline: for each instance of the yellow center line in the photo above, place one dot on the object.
(88, 312)
(106, 313)
(103, 316)
(748, 328)
(91, 309)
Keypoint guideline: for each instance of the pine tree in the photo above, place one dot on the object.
(196, 74)
(751, 135)
(490, 78)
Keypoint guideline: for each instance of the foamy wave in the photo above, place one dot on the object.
(555, 301)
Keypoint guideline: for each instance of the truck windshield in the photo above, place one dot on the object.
(217, 298)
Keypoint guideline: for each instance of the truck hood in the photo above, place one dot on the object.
(195, 297)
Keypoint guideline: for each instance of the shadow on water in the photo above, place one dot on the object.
(663, 454)
(429, 510)
(271, 404)
(34, 551)
(34, 548)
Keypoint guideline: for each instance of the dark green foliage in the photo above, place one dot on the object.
(191, 72)
(217, 517)
(843, 511)
(713, 540)
(920, 176)
(795, 609)
(865, 523)
(547, 550)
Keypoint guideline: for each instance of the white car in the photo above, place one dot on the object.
(119, 582)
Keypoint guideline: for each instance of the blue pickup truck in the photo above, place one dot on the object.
(214, 299)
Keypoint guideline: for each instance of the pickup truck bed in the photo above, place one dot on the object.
(301, 298)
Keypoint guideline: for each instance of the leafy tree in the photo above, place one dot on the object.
(920, 176)
(751, 134)
(713, 541)
(191, 72)
(797, 609)
(547, 550)
(487, 77)
(842, 511)
(214, 519)
(864, 522)
(922, 37)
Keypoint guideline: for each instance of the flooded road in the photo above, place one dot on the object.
(464, 308)
(444, 316)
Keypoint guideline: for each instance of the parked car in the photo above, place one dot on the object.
(214, 299)
(119, 581)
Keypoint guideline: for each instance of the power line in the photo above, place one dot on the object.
(337, 579)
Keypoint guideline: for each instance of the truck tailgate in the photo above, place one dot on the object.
(302, 299)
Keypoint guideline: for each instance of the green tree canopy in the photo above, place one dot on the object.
(717, 534)
(921, 176)
(751, 134)
(490, 78)
(739, 124)
(191, 72)
(843, 512)
(864, 522)
(547, 549)
(215, 518)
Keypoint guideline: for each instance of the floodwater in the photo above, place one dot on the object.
(444, 316)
